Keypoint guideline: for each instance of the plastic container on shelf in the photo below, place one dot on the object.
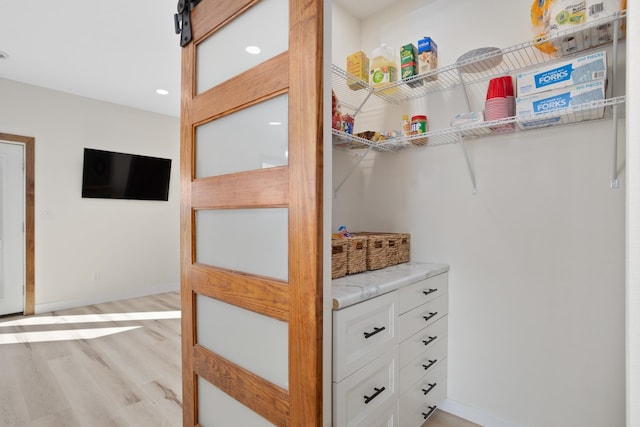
(384, 70)
(419, 125)
(406, 125)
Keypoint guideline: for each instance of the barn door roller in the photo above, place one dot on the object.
(182, 20)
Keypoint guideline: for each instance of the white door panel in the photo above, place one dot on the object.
(12, 242)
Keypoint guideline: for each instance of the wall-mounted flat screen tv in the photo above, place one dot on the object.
(110, 175)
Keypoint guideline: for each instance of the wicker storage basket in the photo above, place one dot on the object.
(356, 254)
(393, 245)
(338, 257)
(376, 249)
(404, 247)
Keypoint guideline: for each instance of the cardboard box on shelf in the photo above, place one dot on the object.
(530, 108)
(409, 64)
(357, 66)
(561, 74)
(427, 56)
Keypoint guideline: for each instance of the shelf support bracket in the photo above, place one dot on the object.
(353, 168)
(366, 98)
(614, 65)
(472, 175)
(464, 90)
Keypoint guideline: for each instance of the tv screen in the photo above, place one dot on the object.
(109, 175)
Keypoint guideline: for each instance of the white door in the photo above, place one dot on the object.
(12, 236)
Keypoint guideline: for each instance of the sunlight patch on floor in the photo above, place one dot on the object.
(91, 318)
(61, 335)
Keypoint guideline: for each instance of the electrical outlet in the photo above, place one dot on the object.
(97, 276)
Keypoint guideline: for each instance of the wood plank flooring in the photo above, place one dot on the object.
(444, 419)
(57, 375)
(54, 374)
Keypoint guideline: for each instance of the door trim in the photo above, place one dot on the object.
(30, 238)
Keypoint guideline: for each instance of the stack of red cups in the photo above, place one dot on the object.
(500, 103)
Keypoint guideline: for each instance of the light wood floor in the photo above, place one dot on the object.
(444, 419)
(126, 378)
(54, 374)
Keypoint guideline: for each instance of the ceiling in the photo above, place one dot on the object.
(362, 9)
(118, 51)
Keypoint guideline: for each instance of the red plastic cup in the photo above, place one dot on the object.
(509, 80)
(496, 88)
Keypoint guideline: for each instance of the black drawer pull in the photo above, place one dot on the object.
(430, 340)
(368, 399)
(430, 291)
(431, 409)
(431, 314)
(430, 364)
(431, 387)
(375, 331)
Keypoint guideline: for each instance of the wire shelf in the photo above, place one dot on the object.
(501, 61)
(575, 114)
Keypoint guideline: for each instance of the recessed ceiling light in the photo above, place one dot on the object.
(275, 123)
(254, 50)
(4, 55)
(162, 92)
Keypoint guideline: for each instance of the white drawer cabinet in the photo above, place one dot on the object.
(422, 341)
(420, 399)
(422, 316)
(423, 364)
(389, 356)
(362, 333)
(361, 396)
(421, 292)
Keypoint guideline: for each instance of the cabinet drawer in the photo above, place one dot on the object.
(421, 292)
(423, 365)
(387, 416)
(422, 316)
(423, 340)
(421, 399)
(363, 332)
(366, 392)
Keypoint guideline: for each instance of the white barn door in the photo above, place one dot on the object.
(12, 232)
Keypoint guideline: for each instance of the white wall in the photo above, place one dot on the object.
(537, 297)
(92, 250)
(633, 227)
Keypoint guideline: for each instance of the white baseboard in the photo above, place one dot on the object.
(473, 414)
(98, 299)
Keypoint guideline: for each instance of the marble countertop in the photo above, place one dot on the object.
(355, 288)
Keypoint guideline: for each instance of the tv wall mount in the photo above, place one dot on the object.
(182, 20)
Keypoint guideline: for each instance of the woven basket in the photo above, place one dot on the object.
(376, 249)
(338, 258)
(393, 248)
(356, 254)
(399, 248)
(404, 247)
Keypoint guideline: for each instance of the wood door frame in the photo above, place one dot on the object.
(30, 237)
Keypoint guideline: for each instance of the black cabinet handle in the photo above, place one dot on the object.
(431, 409)
(430, 291)
(430, 340)
(430, 364)
(431, 314)
(368, 399)
(431, 387)
(375, 331)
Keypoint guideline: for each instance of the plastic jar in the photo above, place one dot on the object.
(419, 125)
(383, 70)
